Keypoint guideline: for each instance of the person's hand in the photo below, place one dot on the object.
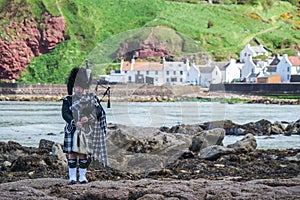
(84, 119)
(79, 124)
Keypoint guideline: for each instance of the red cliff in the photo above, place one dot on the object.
(26, 39)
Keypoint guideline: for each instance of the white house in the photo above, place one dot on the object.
(216, 75)
(288, 66)
(142, 72)
(232, 71)
(156, 73)
(250, 70)
(219, 72)
(205, 75)
(272, 67)
(193, 75)
(252, 51)
(176, 73)
(284, 69)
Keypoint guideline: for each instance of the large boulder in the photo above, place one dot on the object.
(293, 128)
(245, 145)
(139, 149)
(207, 138)
(214, 152)
(230, 127)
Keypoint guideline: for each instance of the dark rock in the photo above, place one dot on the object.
(207, 138)
(214, 152)
(46, 145)
(261, 127)
(245, 145)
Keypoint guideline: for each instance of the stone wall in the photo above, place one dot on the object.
(119, 90)
(37, 89)
(257, 88)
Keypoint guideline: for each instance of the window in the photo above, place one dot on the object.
(125, 72)
(174, 72)
(168, 80)
(129, 78)
(138, 72)
(156, 72)
(181, 80)
(181, 73)
(147, 72)
(288, 69)
(173, 79)
(167, 72)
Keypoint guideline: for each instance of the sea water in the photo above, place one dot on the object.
(29, 122)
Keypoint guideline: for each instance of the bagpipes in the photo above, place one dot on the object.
(98, 83)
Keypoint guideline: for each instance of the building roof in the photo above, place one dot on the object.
(142, 66)
(206, 69)
(222, 65)
(275, 61)
(126, 66)
(295, 60)
(258, 49)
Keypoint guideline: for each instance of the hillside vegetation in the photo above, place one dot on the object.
(91, 23)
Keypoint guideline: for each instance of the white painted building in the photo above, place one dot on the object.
(176, 73)
(252, 51)
(232, 71)
(205, 75)
(249, 70)
(216, 75)
(193, 76)
(142, 72)
(284, 69)
(156, 73)
(288, 66)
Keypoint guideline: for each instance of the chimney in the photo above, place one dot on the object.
(121, 65)
(132, 64)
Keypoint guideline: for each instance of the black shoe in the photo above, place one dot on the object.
(72, 182)
(83, 182)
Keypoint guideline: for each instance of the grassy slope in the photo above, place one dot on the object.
(92, 22)
(232, 27)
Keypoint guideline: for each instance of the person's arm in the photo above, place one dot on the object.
(66, 112)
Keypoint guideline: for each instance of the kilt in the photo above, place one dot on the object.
(68, 139)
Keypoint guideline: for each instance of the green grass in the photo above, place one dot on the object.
(218, 99)
(284, 96)
(96, 28)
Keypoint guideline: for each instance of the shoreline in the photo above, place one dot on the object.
(205, 96)
(137, 93)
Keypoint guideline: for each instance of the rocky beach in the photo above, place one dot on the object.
(180, 162)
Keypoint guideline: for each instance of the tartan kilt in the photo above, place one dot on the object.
(68, 139)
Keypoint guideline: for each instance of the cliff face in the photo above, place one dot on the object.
(26, 39)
